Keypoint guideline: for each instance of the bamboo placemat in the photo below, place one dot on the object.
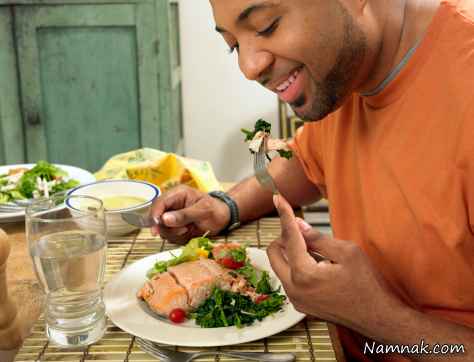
(309, 340)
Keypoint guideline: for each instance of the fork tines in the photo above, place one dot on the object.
(154, 349)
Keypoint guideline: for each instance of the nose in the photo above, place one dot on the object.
(254, 63)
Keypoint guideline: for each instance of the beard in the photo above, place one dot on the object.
(337, 85)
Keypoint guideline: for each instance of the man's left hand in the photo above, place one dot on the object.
(347, 290)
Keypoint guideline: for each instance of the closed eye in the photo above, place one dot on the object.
(268, 31)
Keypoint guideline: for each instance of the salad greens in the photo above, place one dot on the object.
(42, 180)
(260, 280)
(193, 250)
(285, 154)
(239, 254)
(225, 309)
(263, 126)
(263, 285)
(260, 126)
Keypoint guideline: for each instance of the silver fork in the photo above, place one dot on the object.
(8, 208)
(168, 355)
(261, 172)
(265, 179)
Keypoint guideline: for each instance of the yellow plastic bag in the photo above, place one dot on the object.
(165, 170)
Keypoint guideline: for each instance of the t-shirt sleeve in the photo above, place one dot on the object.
(307, 147)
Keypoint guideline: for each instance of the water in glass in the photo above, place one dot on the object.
(69, 261)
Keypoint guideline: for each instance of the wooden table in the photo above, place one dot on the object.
(310, 340)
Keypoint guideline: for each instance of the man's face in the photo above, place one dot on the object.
(307, 51)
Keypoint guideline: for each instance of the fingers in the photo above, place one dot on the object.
(176, 210)
(279, 262)
(176, 236)
(179, 235)
(294, 243)
(173, 200)
(168, 233)
(333, 249)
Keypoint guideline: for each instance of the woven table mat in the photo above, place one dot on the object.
(309, 340)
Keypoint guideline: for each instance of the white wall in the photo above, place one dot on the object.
(218, 101)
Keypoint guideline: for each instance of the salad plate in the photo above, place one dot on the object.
(73, 173)
(126, 311)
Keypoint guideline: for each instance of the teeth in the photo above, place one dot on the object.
(284, 86)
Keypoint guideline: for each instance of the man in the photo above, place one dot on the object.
(386, 88)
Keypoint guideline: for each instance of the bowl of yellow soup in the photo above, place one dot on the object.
(117, 196)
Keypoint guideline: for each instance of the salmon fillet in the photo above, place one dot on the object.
(197, 280)
(227, 280)
(213, 267)
(163, 294)
(188, 285)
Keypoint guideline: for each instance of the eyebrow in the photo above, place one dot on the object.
(245, 14)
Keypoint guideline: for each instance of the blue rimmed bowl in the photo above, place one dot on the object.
(112, 189)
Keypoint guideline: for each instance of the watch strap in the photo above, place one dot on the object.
(234, 221)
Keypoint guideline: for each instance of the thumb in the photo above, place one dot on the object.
(192, 214)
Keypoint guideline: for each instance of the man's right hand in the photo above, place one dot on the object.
(184, 213)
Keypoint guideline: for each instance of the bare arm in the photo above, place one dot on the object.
(184, 212)
(254, 201)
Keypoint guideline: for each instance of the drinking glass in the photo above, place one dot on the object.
(67, 243)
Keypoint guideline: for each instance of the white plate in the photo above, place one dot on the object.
(83, 176)
(124, 310)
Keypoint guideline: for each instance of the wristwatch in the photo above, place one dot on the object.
(234, 221)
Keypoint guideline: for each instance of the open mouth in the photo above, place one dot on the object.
(292, 87)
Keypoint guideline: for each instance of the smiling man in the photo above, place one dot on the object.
(313, 65)
(386, 90)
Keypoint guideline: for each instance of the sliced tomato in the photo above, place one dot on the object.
(261, 298)
(229, 263)
(177, 315)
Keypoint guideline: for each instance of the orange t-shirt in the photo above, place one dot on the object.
(398, 171)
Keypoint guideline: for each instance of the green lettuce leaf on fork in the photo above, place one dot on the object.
(263, 126)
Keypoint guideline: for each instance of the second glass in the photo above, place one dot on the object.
(67, 243)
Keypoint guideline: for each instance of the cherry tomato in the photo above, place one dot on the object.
(230, 263)
(261, 298)
(177, 315)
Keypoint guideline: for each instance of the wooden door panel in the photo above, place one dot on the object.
(170, 74)
(89, 81)
(11, 128)
(89, 93)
